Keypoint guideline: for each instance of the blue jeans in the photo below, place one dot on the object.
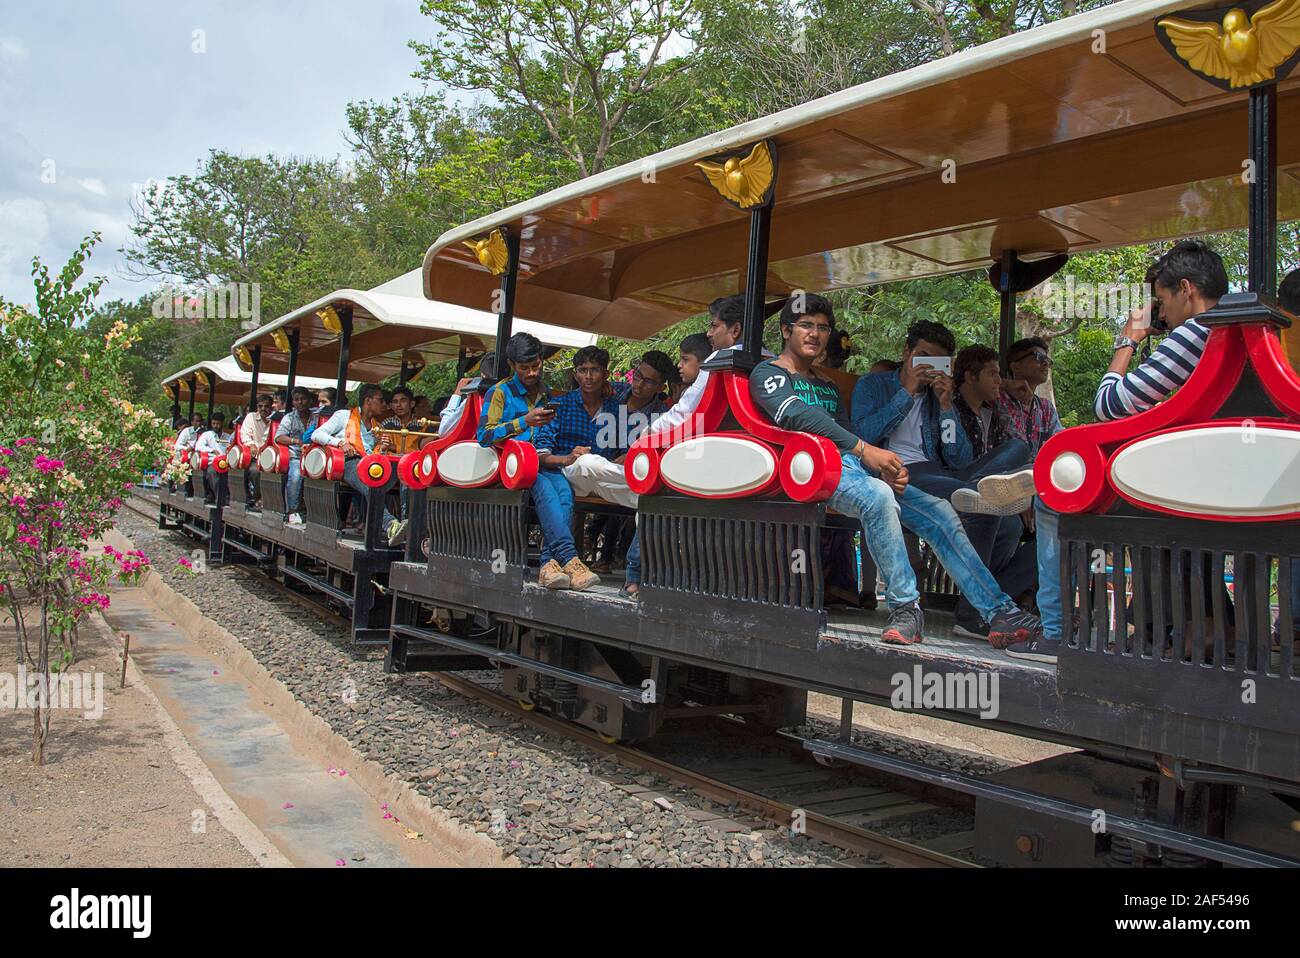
(935, 521)
(293, 486)
(634, 559)
(1049, 569)
(871, 502)
(352, 479)
(553, 500)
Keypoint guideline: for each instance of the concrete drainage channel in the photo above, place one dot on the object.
(314, 796)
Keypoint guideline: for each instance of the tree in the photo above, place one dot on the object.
(69, 443)
(576, 66)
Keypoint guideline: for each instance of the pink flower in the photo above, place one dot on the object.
(6, 451)
(339, 862)
(47, 465)
(4, 472)
(29, 541)
(25, 441)
(287, 805)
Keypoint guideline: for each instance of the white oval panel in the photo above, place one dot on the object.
(1217, 471)
(268, 459)
(717, 466)
(641, 466)
(512, 465)
(801, 468)
(235, 457)
(313, 464)
(467, 464)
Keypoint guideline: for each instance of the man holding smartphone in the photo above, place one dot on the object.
(519, 408)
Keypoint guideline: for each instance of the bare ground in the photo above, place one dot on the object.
(111, 792)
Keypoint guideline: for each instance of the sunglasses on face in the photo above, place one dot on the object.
(1039, 357)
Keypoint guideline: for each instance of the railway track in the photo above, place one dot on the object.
(780, 787)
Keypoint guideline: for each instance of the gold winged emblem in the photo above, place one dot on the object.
(491, 252)
(281, 340)
(743, 181)
(1245, 50)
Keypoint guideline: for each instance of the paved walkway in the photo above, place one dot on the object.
(254, 759)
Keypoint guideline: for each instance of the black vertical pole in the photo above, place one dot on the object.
(252, 383)
(176, 400)
(212, 396)
(345, 349)
(1263, 191)
(194, 381)
(405, 373)
(506, 318)
(760, 231)
(1007, 316)
(293, 364)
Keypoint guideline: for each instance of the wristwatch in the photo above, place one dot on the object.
(1121, 341)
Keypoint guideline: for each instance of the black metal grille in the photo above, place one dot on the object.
(273, 492)
(1153, 616)
(475, 525)
(773, 562)
(320, 503)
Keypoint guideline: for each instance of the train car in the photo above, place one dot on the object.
(367, 336)
(216, 382)
(1089, 133)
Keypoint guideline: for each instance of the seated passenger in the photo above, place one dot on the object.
(289, 433)
(214, 441)
(693, 350)
(726, 323)
(455, 406)
(279, 405)
(796, 398)
(351, 431)
(516, 408)
(913, 413)
(254, 431)
(185, 443)
(1188, 280)
(1012, 561)
(1027, 415)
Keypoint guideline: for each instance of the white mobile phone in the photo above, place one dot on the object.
(942, 363)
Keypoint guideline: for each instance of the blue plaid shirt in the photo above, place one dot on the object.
(572, 427)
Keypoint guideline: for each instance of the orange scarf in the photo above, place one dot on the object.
(352, 434)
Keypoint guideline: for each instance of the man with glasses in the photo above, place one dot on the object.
(1026, 414)
(797, 398)
(520, 408)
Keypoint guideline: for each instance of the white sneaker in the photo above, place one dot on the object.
(295, 519)
(1008, 487)
(967, 500)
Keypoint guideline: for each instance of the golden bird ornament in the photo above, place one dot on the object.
(1244, 50)
(743, 181)
(491, 252)
(281, 340)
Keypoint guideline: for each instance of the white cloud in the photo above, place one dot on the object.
(94, 184)
(12, 49)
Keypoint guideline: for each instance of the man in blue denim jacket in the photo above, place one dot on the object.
(911, 412)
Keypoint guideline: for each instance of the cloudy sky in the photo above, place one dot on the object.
(98, 97)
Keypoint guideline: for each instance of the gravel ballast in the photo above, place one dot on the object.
(544, 799)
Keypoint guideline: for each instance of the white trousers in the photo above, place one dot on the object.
(593, 475)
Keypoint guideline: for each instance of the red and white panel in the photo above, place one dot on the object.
(468, 465)
(1236, 469)
(719, 466)
(322, 462)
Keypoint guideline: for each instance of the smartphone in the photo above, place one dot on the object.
(554, 407)
(941, 363)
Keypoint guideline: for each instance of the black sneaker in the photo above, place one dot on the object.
(1013, 625)
(905, 625)
(1039, 648)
